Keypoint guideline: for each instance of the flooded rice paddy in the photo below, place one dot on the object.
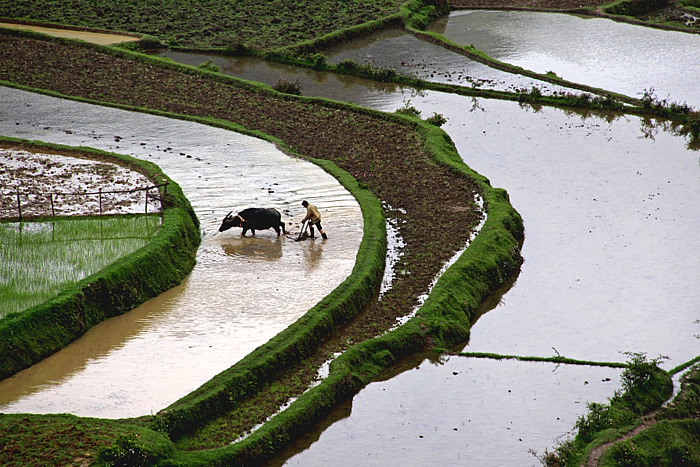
(242, 291)
(610, 249)
(599, 52)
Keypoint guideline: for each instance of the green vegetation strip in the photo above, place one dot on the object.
(634, 429)
(557, 359)
(29, 336)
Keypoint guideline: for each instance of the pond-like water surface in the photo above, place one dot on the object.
(457, 412)
(412, 56)
(242, 291)
(610, 220)
(599, 52)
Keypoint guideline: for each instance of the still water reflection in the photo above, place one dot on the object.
(455, 412)
(599, 52)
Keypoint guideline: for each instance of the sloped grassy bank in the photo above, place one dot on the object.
(29, 336)
(410, 166)
(638, 427)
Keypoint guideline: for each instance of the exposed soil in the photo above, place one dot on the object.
(68, 186)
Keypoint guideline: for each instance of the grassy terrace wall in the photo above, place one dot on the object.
(29, 336)
(444, 320)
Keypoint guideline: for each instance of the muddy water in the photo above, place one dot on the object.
(408, 55)
(599, 52)
(242, 292)
(94, 37)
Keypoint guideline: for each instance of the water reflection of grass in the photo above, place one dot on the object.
(39, 259)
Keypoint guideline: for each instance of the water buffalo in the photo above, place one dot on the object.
(254, 219)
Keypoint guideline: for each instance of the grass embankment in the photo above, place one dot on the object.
(411, 167)
(33, 334)
(633, 429)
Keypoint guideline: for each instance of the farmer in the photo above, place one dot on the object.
(314, 216)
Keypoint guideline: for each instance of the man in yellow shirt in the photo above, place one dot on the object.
(314, 216)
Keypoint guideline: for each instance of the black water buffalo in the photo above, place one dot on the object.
(254, 219)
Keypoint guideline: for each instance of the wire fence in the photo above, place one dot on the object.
(20, 205)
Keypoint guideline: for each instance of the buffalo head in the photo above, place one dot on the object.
(230, 221)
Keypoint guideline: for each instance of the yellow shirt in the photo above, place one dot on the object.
(312, 213)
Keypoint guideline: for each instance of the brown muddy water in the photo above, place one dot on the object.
(610, 252)
(87, 36)
(242, 291)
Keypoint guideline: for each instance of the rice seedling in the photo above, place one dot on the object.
(40, 259)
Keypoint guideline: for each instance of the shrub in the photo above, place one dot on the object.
(236, 49)
(436, 119)
(408, 109)
(641, 387)
(288, 87)
(209, 66)
(317, 60)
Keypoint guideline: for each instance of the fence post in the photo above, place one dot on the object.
(19, 206)
(100, 192)
(146, 212)
(53, 212)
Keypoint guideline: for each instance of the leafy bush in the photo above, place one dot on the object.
(209, 65)
(641, 386)
(436, 119)
(288, 87)
(408, 109)
(317, 60)
(143, 449)
(236, 49)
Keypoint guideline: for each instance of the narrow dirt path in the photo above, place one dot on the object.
(647, 421)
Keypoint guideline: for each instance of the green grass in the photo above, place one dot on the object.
(39, 259)
(67, 440)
